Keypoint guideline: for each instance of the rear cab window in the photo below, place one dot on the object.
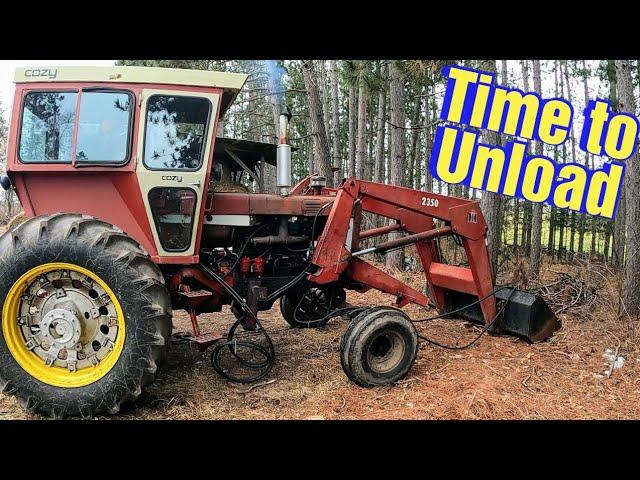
(99, 126)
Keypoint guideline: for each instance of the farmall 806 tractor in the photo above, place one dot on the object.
(136, 208)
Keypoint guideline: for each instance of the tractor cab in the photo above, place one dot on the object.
(135, 146)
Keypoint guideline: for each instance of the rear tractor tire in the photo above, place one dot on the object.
(86, 317)
(379, 347)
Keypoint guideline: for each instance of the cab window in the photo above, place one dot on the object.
(175, 132)
(173, 211)
(48, 120)
(103, 127)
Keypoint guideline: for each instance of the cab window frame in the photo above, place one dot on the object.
(74, 141)
(205, 132)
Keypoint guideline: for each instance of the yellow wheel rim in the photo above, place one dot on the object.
(14, 324)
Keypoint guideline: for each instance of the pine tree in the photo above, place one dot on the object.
(627, 103)
(397, 139)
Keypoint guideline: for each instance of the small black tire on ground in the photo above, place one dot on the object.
(136, 283)
(347, 335)
(379, 347)
(307, 316)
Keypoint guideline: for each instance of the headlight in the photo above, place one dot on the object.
(5, 182)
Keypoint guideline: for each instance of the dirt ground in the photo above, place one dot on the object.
(498, 378)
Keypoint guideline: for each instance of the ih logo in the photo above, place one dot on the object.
(472, 217)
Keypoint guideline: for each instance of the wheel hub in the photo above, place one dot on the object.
(386, 352)
(61, 328)
(68, 320)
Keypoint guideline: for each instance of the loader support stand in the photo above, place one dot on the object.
(414, 213)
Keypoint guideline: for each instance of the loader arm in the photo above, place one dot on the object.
(338, 250)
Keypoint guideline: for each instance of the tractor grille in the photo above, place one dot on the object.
(310, 207)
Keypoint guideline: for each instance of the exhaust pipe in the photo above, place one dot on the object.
(283, 169)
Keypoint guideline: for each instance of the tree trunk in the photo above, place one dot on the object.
(428, 139)
(561, 213)
(617, 259)
(274, 85)
(631, 292)
(379, 166)
(491, 203)
(319, 134)
(536, 218)
(398, 164)
(361, 144)
(336, 154)
(311, 167)
(516, 202)
(353, 93)
(572, 223)
(413, 148)
(324, 96)
(371, 133)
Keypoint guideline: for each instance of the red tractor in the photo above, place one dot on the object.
(135, 208)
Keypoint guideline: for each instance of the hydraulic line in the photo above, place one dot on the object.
(330, 313)
(244, 246)
(232, 344)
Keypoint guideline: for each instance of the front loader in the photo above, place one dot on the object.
(136, 207)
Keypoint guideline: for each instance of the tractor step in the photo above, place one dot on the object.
(197, 294)
(526, 315)
(203, 341)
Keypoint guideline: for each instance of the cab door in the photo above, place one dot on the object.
(176, 136)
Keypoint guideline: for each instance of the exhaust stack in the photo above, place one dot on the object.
(283, 169)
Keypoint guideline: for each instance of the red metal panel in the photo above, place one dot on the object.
(331, 255)
(453, 278)
(412, 199)
(113, 197)
(363, 272)
(480, 267)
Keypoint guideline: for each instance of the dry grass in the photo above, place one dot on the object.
(499, 378)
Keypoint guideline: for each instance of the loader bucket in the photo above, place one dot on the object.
(526, 315)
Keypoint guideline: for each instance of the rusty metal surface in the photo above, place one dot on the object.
(375, 232)
(266, 204)
(415, 238)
